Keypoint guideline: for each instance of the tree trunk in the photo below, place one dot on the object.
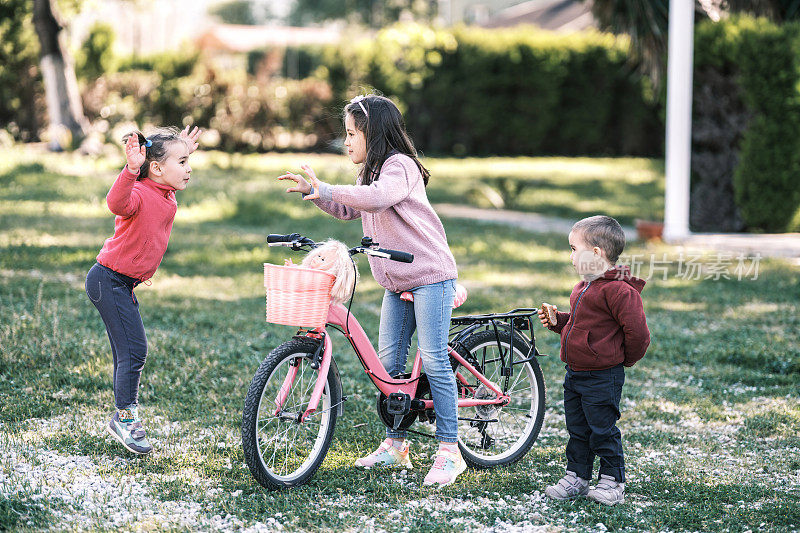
(67, 123)
(720, 119)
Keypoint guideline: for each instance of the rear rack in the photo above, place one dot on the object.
(517, 321)
(524, 313)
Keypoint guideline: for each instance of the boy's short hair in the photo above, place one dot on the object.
(605, 233)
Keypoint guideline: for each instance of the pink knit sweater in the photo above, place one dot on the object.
(396, 213)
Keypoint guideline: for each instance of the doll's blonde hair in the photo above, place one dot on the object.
(344, 269)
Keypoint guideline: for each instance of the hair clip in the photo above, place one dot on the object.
(148, 143)
(357, 100)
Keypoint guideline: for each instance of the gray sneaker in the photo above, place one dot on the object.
(608, 491)
(126, 428)
(568, 487)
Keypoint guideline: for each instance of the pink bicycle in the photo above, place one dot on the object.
(295, 397)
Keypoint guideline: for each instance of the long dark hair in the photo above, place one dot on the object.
(157, 151)
(385, 132)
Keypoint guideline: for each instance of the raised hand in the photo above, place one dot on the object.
(134, 154)
(303, 185)
(312, 179)
(191, 137)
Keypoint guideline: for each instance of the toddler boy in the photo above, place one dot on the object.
(604, 332)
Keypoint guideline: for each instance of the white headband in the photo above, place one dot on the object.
(357, 100)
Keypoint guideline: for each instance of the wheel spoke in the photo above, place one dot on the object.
(519, 376)
(504, 440)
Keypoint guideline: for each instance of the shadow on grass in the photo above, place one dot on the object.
(33, 181)
(20, 513)
(48, 258)
(697, 506)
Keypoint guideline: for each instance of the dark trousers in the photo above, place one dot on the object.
(112, 295)
(591, 407)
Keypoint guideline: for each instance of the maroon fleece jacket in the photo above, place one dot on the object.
(606, 325)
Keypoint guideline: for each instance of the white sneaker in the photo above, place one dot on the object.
(447, 465)
(608, 491)
(568, 487)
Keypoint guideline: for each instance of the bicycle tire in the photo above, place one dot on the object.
(300, 444)
(519, 422)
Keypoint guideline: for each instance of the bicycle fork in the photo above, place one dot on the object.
(323, 360)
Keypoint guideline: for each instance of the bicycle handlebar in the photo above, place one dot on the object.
(275, 238)
(297, 241)
(394, 255)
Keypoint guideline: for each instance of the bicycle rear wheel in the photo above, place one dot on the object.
(492, 435)
(280, 451)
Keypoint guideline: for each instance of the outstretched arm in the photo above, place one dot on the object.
(393, 187)
(309, 189)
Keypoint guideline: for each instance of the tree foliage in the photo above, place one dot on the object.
(20, 80)
(96, 55)
(647, 23)
(753, 68)
(374, 13)
(235, 12)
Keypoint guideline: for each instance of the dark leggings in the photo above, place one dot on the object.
(112, 295)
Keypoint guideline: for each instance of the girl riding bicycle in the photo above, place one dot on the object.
(389, 197)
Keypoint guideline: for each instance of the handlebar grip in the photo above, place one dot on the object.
(275, 237)
(395, 255)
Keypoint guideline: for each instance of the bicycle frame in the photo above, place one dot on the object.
(354, 333)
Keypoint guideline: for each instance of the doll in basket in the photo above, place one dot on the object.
(333, 257)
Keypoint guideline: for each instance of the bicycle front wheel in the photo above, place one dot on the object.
(281, 451)
(492, 435)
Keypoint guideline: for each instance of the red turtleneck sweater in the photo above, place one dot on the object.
(145, 211)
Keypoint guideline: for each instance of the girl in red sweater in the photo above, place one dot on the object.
(143, 198)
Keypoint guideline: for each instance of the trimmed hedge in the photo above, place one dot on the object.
(465, 91)
(242, 114)
(510, 91)
(763, 60)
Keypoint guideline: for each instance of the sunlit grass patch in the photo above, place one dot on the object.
(625, 188)
(778, 420)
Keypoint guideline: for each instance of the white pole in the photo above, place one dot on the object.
(679, 119)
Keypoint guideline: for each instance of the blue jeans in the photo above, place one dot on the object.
(112, 295)
(429, 314)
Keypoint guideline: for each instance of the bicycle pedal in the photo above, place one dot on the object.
(398, 404)
(398, 419)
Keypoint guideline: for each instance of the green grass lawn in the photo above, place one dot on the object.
(711, 416)
(572, 188)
